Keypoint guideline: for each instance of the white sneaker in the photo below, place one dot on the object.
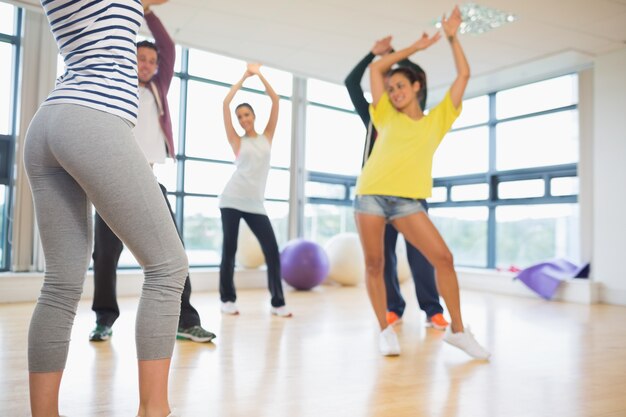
(466, 342)
(229, 307)
(388, 342)
(281, 311)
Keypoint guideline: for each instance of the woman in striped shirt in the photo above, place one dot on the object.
(79, 149)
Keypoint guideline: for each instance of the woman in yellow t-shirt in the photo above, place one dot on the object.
(398, 174)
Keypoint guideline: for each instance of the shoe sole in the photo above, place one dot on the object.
(435, 326)
(183, 336)
(475, 357)
(285, 316)
(99, 339)
(228, 313)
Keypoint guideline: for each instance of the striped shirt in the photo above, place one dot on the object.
(97, 40)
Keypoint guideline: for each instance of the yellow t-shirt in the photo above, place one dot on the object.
(401, 162)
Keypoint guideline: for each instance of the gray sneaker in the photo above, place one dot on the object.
(101, 333)
(195, 334)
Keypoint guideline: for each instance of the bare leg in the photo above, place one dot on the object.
(153, 382)
(421, 233)
(44, 393)
(371, 229)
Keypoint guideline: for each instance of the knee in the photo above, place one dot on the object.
(374, 265)
(443, 259)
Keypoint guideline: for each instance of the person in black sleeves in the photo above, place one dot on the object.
(421, 270)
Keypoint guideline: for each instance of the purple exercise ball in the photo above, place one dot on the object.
(304, 264)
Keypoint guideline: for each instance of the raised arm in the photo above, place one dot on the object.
(163, 42)
(450, 27)
(255, 69)
(379, 68)
(353, 80)
(231, 134)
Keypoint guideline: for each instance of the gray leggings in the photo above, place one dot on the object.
(74, 155)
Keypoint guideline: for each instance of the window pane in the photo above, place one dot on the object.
(475, 111)
(173, 100)
(179, 61)
(564, 186)
(462, 152)
(551, 139)
(277, 184)
(3, 222)
(60, 65)
(544, 95)
(206, 137)
(323, 190)
(521, 189)
(7, 19)
(215, 67)
(470, 192)
(334, 141)
(6, 70)
(331, 94)
(229, 70)
(166, 174)
(530, 234)
(207, 177)
(281, 144)
(323, 221)
(465, 232)
(202, 230)
(278, 213)
(440, 194)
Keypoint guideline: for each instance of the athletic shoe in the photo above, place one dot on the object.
(195, 334)
(393, 318)
(437, 322)
(229, 307)
(100, 333)
(281, 311)
(388, 342)
(465, 341)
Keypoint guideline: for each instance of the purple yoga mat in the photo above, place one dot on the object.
(544, 278)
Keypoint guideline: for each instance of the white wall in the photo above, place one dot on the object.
(609, 177)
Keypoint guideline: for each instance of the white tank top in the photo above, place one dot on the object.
(245, 190)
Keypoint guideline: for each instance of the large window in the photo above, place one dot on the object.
(506, 185)
(10, 30)
(511, 179)
(335, 138)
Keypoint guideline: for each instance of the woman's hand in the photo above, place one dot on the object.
(426, 41)
(253, 68)
(382, 46)
(147, 3)
(451, 25)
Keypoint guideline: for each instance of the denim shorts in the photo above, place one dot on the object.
(388, 206)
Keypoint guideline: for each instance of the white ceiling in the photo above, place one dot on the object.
(325, 38)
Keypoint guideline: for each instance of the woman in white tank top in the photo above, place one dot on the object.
(244, 195)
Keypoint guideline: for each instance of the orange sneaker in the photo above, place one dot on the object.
(393, 318)
(437, 321)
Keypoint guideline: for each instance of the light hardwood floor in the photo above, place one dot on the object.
(549, 359)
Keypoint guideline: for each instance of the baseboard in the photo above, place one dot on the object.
(583, 291)
(613, 296)
(24, 287)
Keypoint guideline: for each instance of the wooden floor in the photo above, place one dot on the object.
(549, 359)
